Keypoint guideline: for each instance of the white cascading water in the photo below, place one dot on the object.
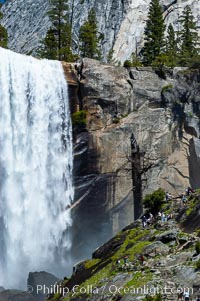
(35, 166)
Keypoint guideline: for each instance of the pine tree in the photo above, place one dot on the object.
(3, 34)
(49, 48)
(58, 40)
(89, 38)
(154, 33)
(171, 47)
(188, 34)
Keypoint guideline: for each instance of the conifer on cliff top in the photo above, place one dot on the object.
(58, 40)
(3, 33)
(89, 38)
(154, 33)
(188, 36)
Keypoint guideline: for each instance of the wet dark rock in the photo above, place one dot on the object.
(40, 284)
(109, 248)
(167, 236)
(16, 295)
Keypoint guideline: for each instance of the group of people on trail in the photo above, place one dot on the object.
(186, 296)
(161, 215)
(183, 196)
(165, 217)
(147, 220)
(126, 263)
(168, 196)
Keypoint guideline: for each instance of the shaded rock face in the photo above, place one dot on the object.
(162, 113)
(15, 295)
(39, 284)
(121, 22)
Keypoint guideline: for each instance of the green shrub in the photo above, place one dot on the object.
(116, 120)
(79, 118)
(198, 265)
(197, 247)
(133, 62)
(190, 114)
(127, 64)
(154, 200)
(166, 88)
(153, 298)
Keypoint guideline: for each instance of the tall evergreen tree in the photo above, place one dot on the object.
(171, 45)
(188, 34)
(89, 38)
(58, 40)
(171, 53)
(3, 34)
(154, 33)
(48, 48)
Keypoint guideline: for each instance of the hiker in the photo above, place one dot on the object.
(126, 260)
(118, 262)
(187, 296)
(141, 259)
(151, 216)
(159, 215)
(180, 296)
(184, 199)
(150, 219)
(189, 191)
(169, 216)
(198, 298)
(144, 221)
(163, 217)
(168, 196)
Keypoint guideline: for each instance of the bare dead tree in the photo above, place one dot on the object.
(148, 162)
(138, 163)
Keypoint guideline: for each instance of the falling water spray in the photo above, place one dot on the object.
(35, 166)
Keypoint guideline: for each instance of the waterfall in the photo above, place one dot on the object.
(35, 167)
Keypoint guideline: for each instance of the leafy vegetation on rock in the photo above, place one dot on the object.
(197, 247)
(154, 200)
(79, 118)
(166, 88)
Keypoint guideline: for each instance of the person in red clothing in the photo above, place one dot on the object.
(142, 259)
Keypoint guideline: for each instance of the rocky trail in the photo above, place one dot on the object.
(170, 267)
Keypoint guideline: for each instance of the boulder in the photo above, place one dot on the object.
(156, 248)
(185, 275)
(167, 236)
(196, 283)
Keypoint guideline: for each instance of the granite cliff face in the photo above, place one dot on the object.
(121, 21)
(162, 113)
